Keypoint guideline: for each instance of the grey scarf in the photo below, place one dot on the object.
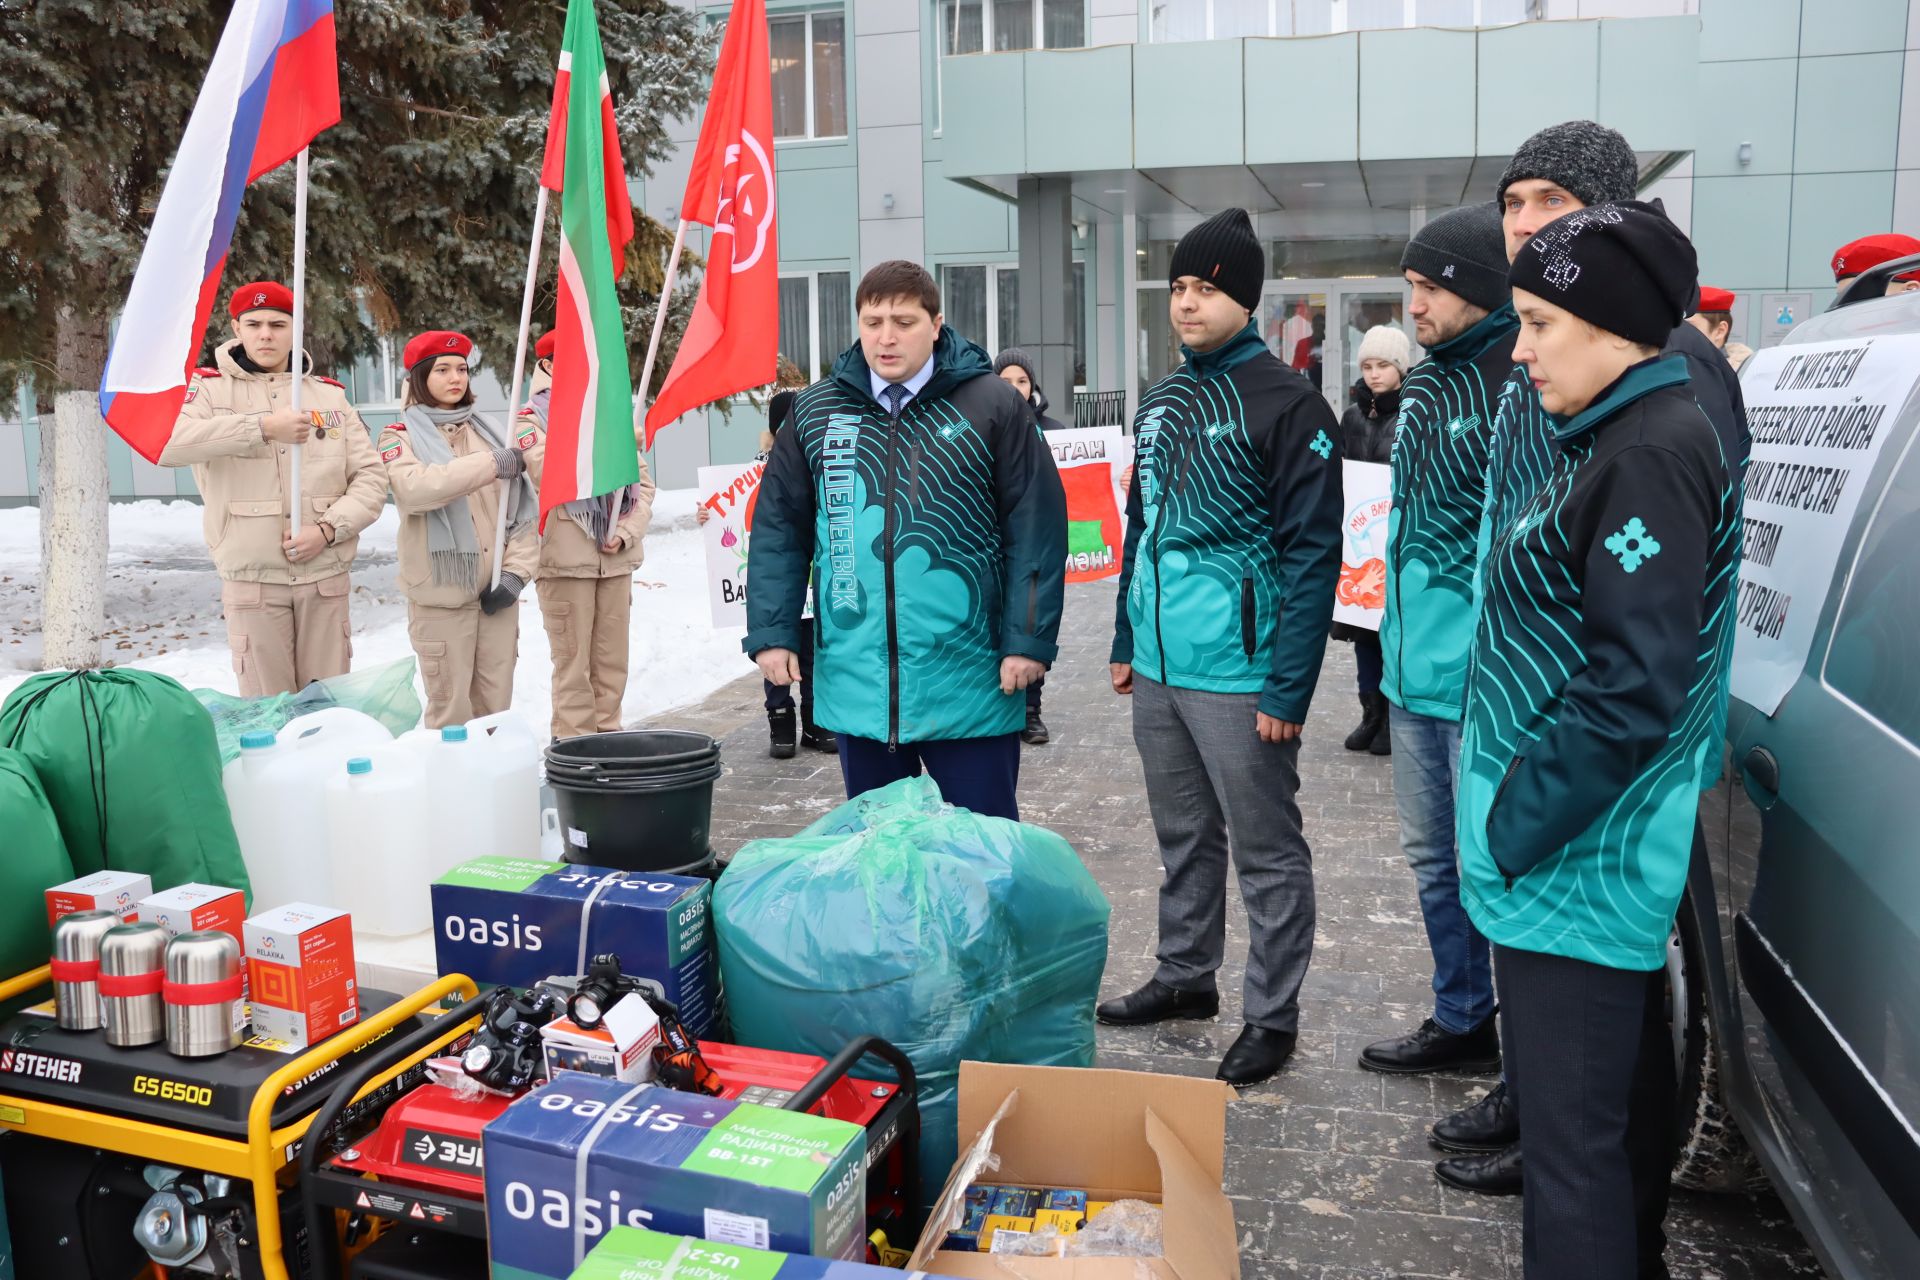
(595, 516)
(450, 536)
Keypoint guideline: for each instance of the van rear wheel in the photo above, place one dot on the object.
(1711, 1154)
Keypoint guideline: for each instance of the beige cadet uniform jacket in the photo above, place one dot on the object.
(245, 479)
(419, 488)
(566, 550)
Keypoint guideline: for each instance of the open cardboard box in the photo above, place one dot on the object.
(1118, 1135)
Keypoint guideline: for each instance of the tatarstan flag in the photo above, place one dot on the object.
(1094, 529)
(591, 448)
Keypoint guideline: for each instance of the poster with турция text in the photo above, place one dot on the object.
(728, 495)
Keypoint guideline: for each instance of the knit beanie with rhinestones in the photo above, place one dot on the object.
(1621, 267)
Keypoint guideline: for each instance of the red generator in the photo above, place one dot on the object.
(409, 1154)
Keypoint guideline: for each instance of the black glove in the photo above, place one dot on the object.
(494, 599)
(508, 463)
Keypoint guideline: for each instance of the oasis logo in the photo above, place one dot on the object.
(492, 933)
(556, 1209)
(40, 1065)
(619, 1113)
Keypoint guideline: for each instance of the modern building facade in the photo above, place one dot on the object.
(1043, 156)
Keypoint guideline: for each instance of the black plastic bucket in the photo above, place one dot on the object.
(637, 800)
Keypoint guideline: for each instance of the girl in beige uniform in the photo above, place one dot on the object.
(446, 463)
(587, 558)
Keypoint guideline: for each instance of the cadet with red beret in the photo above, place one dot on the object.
(284, 596)
(587, 560)
(444, 460)
(1714, 317)
(1866, 253)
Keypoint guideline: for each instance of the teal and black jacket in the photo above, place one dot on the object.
(938, 541)
(1598, 692)
(1433, 532)
(1233, 529)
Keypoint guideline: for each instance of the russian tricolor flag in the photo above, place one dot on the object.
(273, 85)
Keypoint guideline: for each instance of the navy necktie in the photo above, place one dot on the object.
(896, 397)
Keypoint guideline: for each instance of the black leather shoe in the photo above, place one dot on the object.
(1256, 1054)
(1489, 1125)
(1434, 1048)
(1157, 1002)
(1373, 715)
(1035, 734)
(812, 736)
(780, 729)
(1497, 1174)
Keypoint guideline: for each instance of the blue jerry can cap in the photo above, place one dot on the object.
(359, 764)
(256, 738)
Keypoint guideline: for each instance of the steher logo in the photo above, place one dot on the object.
(1460, 426)
(42, 1066)
(1322, 444)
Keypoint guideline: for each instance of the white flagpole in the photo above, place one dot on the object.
(519, 372)
(299, 319)
(659, 324)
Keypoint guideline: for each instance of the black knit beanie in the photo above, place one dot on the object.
(1224, 252)
(1590, 160)
(1621, 267)
(779, 409)
(1464, 252)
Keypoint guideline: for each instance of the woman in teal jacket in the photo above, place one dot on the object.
(1595, 705)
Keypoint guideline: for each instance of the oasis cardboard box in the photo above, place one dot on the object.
(630, 1253)
(1117, 1135)
(515, 922)
(583, 1154)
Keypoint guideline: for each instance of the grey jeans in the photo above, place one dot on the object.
(1216, 790)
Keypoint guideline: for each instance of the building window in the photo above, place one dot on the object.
(1227, 19)
(809, 56)
(816, 320)
(1002, 26)
(982, 303)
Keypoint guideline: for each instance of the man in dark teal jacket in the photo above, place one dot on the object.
(1456, 266)
(1226, 586)
(915, 487)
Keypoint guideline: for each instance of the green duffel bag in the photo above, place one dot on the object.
(36, 861)
(130, 766)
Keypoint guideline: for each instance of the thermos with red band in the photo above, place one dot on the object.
(76, 968)
(201, 989)
(132, 972)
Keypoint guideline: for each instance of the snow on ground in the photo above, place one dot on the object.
(163, 608)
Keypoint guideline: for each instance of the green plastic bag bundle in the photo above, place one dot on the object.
(130, 768)
(36, 861)
(950, 934)
(384, 692)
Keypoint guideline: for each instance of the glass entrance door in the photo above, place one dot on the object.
(1315, 327)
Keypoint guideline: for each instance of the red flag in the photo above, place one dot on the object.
(732, 337)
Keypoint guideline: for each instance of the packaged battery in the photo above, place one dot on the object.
(1065, 1221)
(1002, 1221)
(1014, 1202)
(1075, 1201)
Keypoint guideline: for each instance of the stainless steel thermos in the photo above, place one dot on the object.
(202, 986)
(76, 968)
(132, 958)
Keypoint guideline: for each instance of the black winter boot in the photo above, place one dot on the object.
(812, 736)
(1382, 744)
(780, 733)
(1373, 722)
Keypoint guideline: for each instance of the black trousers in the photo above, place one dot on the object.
(781, 695)
(1589, 1059)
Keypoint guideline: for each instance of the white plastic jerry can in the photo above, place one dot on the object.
(378, 831)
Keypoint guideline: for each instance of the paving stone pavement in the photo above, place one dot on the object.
(1328, 1165)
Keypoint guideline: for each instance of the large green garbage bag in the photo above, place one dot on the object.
(950, 934)
(129, 765)
(384, 692)
(36, 860)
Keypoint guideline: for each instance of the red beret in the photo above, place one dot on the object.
(435, 343)
(261, 295)
(544, 348)
(1867, 252)
(1712, 299)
